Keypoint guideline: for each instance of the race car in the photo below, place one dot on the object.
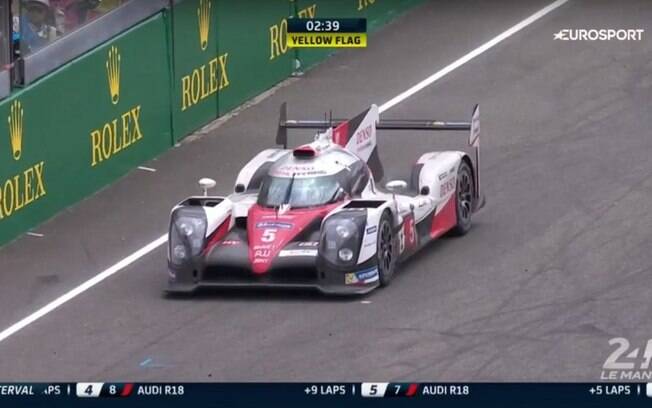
(314, 216)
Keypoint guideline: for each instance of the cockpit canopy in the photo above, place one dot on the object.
(301, 192)
(311, 181)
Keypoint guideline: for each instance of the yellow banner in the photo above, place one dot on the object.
(327, 40)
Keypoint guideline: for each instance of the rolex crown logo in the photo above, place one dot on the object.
(113, 73)
(204, 17)
(15, 120)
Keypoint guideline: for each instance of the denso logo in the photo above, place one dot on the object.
(447, 187)
(363, 135)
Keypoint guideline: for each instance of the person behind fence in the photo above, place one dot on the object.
(75, 13)
(37, 24)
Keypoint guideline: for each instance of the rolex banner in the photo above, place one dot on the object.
(200, 70)
(83, 126)
(225, 53)
(88, 123)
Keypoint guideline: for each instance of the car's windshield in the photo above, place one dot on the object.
(299, 192)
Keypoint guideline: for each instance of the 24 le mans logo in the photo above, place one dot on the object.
(121, 132)
(627, 364)
(24, 188)
(204, 22)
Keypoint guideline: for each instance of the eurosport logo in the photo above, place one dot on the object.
(599, 34)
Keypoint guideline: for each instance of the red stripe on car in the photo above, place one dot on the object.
(217, 235)
(445, 219)
(269, 232)
(341, 134)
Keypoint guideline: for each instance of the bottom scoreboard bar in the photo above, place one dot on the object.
(316, 395)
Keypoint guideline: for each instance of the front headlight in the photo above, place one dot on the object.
(345, 230)
(179, 252)
(345, 254)
(341, 237)
(186, 228)
(187, 232)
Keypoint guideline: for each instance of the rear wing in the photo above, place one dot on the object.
(383, 124)
(472, 126)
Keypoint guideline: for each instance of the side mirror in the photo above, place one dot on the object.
(396, 185)
(206, 184)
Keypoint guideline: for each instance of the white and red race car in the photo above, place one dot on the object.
(314, 217)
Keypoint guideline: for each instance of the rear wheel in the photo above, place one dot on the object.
(386, 251)
(464, 194)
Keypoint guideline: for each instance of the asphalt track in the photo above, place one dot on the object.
(557, 263)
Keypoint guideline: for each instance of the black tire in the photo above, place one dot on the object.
(464, 194)
(386, 249)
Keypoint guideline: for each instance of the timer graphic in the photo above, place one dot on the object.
(327, 33)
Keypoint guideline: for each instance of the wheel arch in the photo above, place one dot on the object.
(466, 159)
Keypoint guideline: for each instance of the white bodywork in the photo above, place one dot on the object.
(436, 184)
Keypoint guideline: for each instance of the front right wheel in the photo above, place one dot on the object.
(464, 194)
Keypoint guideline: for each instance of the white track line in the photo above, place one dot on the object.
(468, 57)
(83, 287)
(9, 331)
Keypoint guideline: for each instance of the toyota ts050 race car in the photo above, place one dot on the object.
(314, 217)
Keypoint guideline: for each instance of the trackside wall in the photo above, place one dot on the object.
(84, 126)
(90, 122)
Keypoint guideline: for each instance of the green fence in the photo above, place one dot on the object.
(93, 120)
(198, 72)
(225, 53)
(84, 126)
